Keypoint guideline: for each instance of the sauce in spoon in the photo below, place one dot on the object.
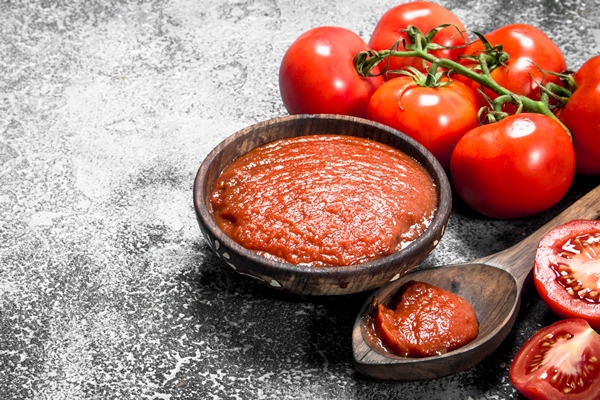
(492, 284)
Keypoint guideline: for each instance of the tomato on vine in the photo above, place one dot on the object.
(391, 29)
(514, 168)
(436, 117)
(581, 115)
(317, 74)
(532, 58)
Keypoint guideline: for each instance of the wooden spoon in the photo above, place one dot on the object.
(492, 284)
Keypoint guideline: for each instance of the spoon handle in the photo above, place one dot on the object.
(518, 259)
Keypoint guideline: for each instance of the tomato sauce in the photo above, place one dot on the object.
(324, 200)
(427, 321)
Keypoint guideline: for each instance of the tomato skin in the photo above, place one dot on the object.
(531, 53)
(435, 117)
(582, 116)
(556, 266)
(317, 74)
(425, 16)
(514, 168)
(569, 351)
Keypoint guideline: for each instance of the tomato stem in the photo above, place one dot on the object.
(559, 94)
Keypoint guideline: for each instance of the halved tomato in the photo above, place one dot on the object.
(567, 270)
(559, 362)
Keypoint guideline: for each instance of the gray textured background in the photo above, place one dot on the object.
(107, 290)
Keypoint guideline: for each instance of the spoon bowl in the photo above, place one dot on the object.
(476, 283)
(493, 285)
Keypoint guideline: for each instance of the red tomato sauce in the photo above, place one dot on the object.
(427, 321)
(324, 200)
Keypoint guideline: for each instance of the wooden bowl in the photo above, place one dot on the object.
(302, 279)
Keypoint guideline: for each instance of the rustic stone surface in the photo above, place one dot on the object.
(107, 290)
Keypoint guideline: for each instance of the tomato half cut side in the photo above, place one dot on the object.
(559, 362)
(567, 270)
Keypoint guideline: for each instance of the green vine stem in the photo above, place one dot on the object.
(366, 61)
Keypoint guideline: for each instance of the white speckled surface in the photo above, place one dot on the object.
(107, 290)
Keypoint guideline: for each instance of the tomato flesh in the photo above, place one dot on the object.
(560, 361)
(567, 270)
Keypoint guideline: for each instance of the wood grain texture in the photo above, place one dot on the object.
(304, 279)
(492, 284)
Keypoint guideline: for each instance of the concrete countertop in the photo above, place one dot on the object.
(107, 289)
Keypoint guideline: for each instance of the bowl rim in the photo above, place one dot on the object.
(437, 224)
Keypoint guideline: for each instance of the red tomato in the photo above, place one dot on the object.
(582, 116)
(567, 270)
(514, 168)
(531, 54)
(435, 117)
(317, 74)
(559, 362)
(425, 16)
